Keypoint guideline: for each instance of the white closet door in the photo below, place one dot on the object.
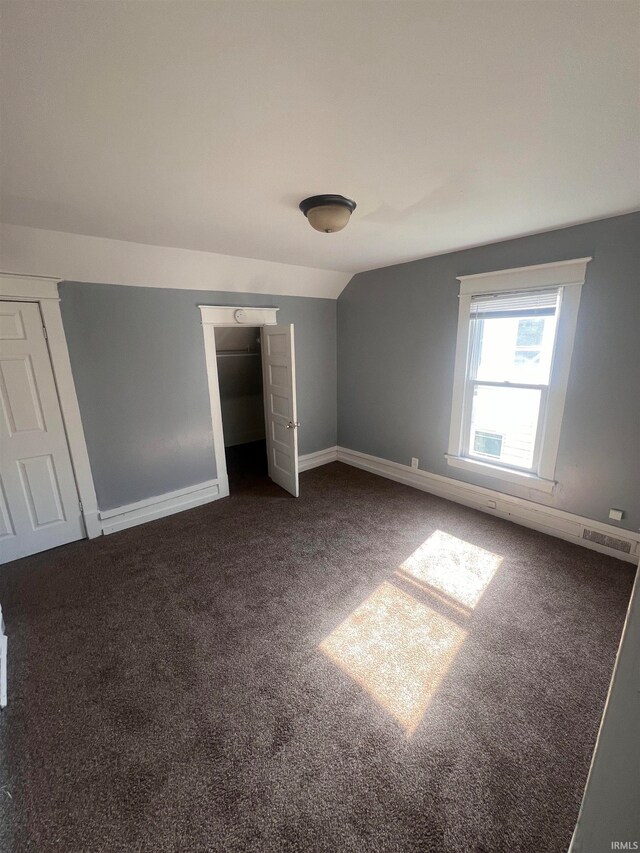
(39, 506)
(279, 371)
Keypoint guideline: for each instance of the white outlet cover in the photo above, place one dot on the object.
(414, 462)
(616, 514)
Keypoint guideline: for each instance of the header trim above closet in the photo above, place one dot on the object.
(233, 315)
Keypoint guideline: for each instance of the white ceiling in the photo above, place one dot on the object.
(202, 125)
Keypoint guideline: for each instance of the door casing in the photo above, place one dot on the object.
(225, 315)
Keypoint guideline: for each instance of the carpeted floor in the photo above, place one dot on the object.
(270, 674)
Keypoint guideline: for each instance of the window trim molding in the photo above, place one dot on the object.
(557, 274)
(509, 475)
(570, 276)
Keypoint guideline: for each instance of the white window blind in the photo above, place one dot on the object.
(529, 303)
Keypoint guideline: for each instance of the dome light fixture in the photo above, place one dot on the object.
(327, 213)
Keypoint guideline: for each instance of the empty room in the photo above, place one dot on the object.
(319, 426)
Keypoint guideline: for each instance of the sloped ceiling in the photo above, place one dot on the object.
(200, 126)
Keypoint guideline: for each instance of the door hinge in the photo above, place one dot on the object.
(80, 505)
(44, 332)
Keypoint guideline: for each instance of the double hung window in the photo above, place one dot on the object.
(515, 336)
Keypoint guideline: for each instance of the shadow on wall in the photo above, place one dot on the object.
(399, 648)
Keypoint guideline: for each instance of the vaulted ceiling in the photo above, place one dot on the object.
(202, 125)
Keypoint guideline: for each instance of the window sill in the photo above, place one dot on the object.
(507, 474)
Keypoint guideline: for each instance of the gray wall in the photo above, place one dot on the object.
(396, 349)
(138, 362)
(610, 807)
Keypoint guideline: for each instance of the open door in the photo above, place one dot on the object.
(279, 373)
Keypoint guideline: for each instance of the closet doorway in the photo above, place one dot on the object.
(239, 361)
(252, 390)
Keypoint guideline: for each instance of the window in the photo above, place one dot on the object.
(488, 443)
(515, 336)
(512, 337)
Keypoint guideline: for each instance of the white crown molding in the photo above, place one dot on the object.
(74, 257)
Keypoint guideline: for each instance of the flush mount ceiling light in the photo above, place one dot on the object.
(327, 213)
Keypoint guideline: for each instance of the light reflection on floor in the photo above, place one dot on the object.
(397, 649)
(454, 567)
(395, 646)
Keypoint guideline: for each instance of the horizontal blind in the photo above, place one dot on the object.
(522, 303)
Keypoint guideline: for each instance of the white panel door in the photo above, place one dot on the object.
(39, 506)
(279, 371)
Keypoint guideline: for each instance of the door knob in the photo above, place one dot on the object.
(292, 425)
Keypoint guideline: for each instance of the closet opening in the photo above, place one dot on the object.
(239, 361)
(251, 373)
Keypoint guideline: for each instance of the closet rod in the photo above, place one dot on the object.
(230, 353)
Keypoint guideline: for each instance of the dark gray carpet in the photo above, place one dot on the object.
(168, 692)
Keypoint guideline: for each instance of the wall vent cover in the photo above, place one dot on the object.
(607, 541)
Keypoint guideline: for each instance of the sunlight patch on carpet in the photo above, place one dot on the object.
(458, 569)
(397, 649)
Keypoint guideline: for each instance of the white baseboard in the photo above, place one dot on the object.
(157, 507)
(555, 522)
(320, 457)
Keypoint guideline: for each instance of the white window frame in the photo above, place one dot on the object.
(569, 276)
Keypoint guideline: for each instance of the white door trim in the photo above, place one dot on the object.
(237, 315)
(44, 291)
(209, 331)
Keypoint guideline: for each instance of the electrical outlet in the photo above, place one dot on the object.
(616, 514)
(414, 462)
